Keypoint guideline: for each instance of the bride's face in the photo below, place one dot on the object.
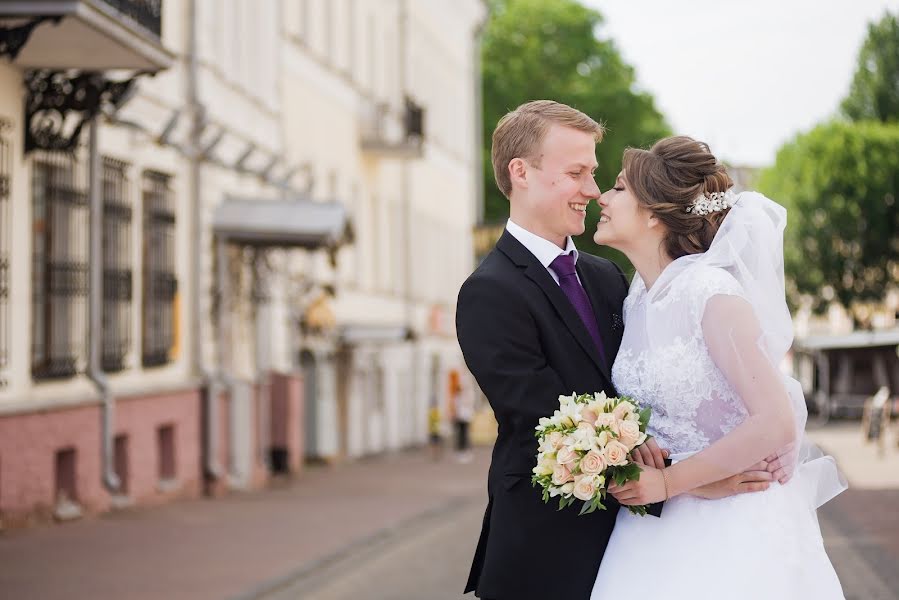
(624, 221)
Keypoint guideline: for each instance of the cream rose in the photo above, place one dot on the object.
(622, 411)
(555, 439)
(616, 453)
(588, 416)
(593, 463)
(562, 475)
(629, 433)
(567, 488)
(587, 427)
(585, 489)
(609, 421)
(566, 455)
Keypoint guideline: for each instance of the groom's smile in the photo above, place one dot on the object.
(581, 208)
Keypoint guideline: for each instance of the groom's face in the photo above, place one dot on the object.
(560, 183)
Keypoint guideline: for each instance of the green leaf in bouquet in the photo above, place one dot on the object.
(645, 414)
(639, 509)
(592, 506)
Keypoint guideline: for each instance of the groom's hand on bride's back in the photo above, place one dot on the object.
(755, 479)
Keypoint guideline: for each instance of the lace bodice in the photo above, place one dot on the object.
(664, 362)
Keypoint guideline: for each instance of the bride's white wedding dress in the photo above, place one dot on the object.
(758, 545)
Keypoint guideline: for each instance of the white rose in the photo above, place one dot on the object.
(629, 433)
(616, 453)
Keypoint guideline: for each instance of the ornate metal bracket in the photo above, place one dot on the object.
(58, 98)
(13, 39)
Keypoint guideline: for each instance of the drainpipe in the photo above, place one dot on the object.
(223, 330)
(405, 195)
(95, 315)
(210, 386)
(479, 124)
(263, 367)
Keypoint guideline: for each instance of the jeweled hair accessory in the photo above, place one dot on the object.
(706, 204)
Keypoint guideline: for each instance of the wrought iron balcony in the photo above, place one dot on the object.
(94, 35)
(386, 136)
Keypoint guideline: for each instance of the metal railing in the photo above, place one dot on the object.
(60, 239)
(117, 259)
(160, 283)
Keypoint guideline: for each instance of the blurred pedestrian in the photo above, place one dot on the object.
(435, 430)
(461, 401)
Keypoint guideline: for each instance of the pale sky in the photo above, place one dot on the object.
(743, 75)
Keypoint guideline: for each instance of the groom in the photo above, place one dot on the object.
(538, 319)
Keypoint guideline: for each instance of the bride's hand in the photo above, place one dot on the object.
(650, 454)
(649, 489)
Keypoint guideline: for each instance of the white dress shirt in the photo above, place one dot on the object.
(544, 250)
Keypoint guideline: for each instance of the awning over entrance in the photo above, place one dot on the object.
(289, 223)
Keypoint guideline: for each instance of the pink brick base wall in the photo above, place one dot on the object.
(29, 442)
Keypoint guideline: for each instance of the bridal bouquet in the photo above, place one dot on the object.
(584, 445)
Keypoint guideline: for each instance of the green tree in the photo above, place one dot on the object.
(839, 183)
(874, 93)
(533, 49)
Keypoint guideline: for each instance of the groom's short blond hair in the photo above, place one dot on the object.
(520, 133)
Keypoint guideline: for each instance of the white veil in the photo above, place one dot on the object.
(749, 246)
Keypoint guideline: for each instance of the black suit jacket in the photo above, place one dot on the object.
(525, 344)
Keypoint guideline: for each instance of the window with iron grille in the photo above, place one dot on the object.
(60, 239)
(5, 173)
(116, 265)
(160, 284)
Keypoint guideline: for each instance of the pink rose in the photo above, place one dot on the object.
(566, 455)
(629, 433)
(589, 416)
(616, 453)
(592, 463)
(584, 488)
(562, 475)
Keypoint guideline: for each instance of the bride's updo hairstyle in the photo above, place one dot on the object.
(667, 179)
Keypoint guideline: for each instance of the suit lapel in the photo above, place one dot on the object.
(537, 273)
(603, 311)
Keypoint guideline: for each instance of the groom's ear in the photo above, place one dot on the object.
(518, 171)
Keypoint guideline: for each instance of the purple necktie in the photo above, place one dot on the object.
(563, 266)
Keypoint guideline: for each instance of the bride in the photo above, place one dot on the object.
(706, 324)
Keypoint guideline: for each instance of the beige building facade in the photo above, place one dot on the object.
(248, 256)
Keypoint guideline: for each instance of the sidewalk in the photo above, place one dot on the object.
(244, 545)
(236, 546)
(861, 525)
